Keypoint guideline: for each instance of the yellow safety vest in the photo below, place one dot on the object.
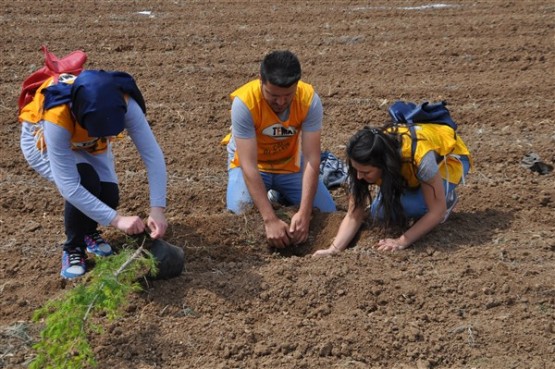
(439, 138)
(278, 141)
(60, 115)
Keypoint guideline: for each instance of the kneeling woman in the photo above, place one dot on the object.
(417, 171)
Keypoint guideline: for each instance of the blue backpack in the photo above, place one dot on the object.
(408, 113)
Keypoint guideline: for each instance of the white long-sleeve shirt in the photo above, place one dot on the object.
(60, 165)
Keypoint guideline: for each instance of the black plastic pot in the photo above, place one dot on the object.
(170, 259)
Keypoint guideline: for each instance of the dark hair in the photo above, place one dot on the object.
(280, 68)
(381, 149)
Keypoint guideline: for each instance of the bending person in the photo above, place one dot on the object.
(67, 134)
(415, 182)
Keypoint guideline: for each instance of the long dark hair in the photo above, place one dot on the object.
(382, 149)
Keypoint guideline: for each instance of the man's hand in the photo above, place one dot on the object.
(277, 233)
(157, 223)
(299, 228)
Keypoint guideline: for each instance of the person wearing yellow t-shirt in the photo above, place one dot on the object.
(276, 123)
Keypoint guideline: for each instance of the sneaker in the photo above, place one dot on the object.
(277, 198)
(96, 245)
(451, 203)
(73, 263)
(274, 196)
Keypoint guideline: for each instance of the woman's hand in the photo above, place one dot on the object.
(129, 224)
(390, 244)
(157, 223)
(332, 250)
(347, 230)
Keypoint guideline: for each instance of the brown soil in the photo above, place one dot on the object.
(477, 292)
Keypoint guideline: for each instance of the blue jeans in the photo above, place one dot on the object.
(413, 202)
(288, 185)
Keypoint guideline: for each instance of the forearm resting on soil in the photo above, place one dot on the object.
(347, 230)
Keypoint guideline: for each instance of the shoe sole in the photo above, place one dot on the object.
(101, 254)
(72, 277)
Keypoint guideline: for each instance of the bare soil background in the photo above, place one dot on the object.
(477, 292)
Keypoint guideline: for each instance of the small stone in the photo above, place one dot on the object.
(423, 364)
(326, 350)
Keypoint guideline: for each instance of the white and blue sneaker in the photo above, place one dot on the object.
(73, 263)
(96, 245)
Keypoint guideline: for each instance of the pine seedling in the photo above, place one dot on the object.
(63, 341)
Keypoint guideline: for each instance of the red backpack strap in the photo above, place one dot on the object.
(71, 63)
